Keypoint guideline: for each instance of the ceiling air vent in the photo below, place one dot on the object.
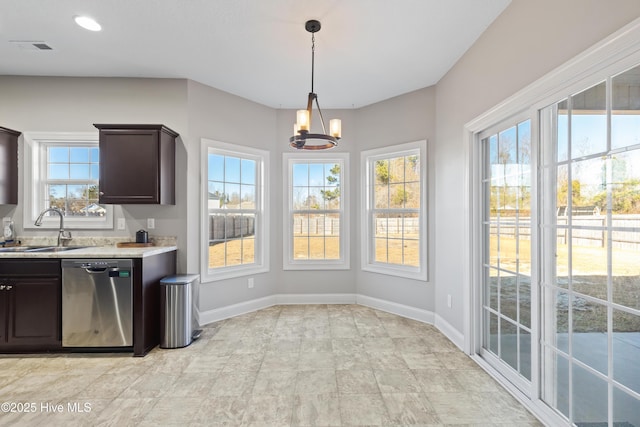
(30, 45)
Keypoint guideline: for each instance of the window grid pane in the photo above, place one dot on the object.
(395, 215)
(591, 314)
(316, 210)
(232, 209)
(71, 181)
(507, 255)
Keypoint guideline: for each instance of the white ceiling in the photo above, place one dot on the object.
(366, 51)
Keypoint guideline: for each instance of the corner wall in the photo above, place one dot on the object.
(406, 118)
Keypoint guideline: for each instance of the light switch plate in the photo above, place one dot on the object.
(151, 223)
(121, 224)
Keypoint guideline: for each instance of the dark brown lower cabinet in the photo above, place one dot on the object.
(147, 273)
(34, 313)
(31, 307)
(30, 293)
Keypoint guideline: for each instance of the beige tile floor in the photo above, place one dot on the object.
(306, 365)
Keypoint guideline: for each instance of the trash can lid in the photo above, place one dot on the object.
(180, 279)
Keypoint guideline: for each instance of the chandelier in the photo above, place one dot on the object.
(302, 138)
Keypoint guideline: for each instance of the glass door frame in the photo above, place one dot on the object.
(612, 55)
(524, 386)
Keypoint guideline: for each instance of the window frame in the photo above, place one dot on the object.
(288, 262)
(35, 145)
(261, 254)
(367, 160)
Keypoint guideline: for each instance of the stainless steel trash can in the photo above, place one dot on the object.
(176, 310)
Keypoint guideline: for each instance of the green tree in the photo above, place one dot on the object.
(382, 171)
(332, 179)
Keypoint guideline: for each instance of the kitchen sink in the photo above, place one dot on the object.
(40, 249)
(56, 248)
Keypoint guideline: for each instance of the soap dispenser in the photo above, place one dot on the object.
(8, 230)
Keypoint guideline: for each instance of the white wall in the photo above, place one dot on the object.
(529, 39)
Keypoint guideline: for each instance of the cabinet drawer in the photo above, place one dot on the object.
(30, 267)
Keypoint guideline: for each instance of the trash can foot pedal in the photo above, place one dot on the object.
(196, 334)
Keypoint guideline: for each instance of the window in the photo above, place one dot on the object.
(316, 225)
(62, 171)
(235, 210)
(394, 230)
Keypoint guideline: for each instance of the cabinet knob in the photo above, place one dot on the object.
(101, 193)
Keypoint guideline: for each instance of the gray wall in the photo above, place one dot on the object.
(220, 116)
(525, 42)
(70, 104)
(406, 118)
(529, 39)
(313, 282)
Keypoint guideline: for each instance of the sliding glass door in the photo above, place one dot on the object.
(506, 302)
(590, 253)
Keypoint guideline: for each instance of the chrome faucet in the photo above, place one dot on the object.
(62, 235)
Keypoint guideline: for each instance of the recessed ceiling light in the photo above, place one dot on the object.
(87, 23)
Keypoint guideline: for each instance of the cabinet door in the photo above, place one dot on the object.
(34, 312)
(3, 313)
(129, 166)
(8, 166)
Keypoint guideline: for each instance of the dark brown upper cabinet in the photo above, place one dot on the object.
(137, 164)
(8, 166)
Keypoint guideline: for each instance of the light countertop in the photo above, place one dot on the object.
(94, 252)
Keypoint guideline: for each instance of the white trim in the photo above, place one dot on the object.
(32, 182)
(366, 241)
(261, 255)
(344, 263)
(414, 313)
(226, 312)
(450, 332)
(292, 299)
(244, 307)
(538, 409)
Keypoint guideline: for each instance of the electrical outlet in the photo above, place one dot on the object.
(151, 223)
(121, 224)
(250, 282)
(449, 301)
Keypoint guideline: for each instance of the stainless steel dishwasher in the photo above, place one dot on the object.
(97, 309)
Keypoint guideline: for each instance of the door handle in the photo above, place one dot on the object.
(95, 270)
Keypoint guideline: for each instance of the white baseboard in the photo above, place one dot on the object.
(450, 332)
(226, 312)
(418, 314)
(286, 299)
(414, 313)
(233, 310)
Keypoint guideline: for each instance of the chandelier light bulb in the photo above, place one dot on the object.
(302, 117)
(335, 128)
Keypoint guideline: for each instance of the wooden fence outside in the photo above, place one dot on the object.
(585, 231)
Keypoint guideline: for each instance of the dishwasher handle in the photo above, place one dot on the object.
(95, 270)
